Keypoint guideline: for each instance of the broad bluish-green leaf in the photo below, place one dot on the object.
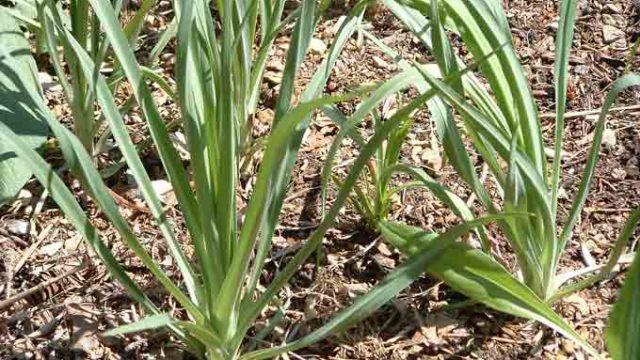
(24, 11)
(21, 105)
(478, 276)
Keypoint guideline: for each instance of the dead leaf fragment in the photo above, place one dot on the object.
(380, 63)
(579, 303)
(273, 78)
(83, 322)
(354, 290)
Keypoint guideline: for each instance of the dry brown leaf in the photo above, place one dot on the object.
(82, 319)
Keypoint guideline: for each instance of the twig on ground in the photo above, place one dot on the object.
(43, 285)
(576, 114)
(359, 254)
(607, 210)
(25, 256)
(47, 328)
(126, 203)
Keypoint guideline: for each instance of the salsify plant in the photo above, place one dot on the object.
(505, 131)
(507, 134)
(84, 26)
(85, 29)
(471, 271)
(373, 195)
(220, 292)
(248, 67)
(502, 123)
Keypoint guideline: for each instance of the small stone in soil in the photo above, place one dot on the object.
(614, 36)
(609, 138)
(47, 83)
(317, 46)
(380, 63)
(17, 227)
(612, 9)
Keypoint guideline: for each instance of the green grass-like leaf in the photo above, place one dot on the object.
(623, 329)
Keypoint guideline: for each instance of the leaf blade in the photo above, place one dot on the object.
(21, 105)
(623, 329)
(395, 282)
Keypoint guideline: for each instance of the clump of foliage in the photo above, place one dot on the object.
(373, 195)
(502, 124)
(220, 291)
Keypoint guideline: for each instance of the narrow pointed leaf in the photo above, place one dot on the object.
(395, 282)
(148, 323)
(623, 330)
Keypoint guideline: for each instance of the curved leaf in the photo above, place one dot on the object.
(151, 322)
(476, 275)
(395, 282)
